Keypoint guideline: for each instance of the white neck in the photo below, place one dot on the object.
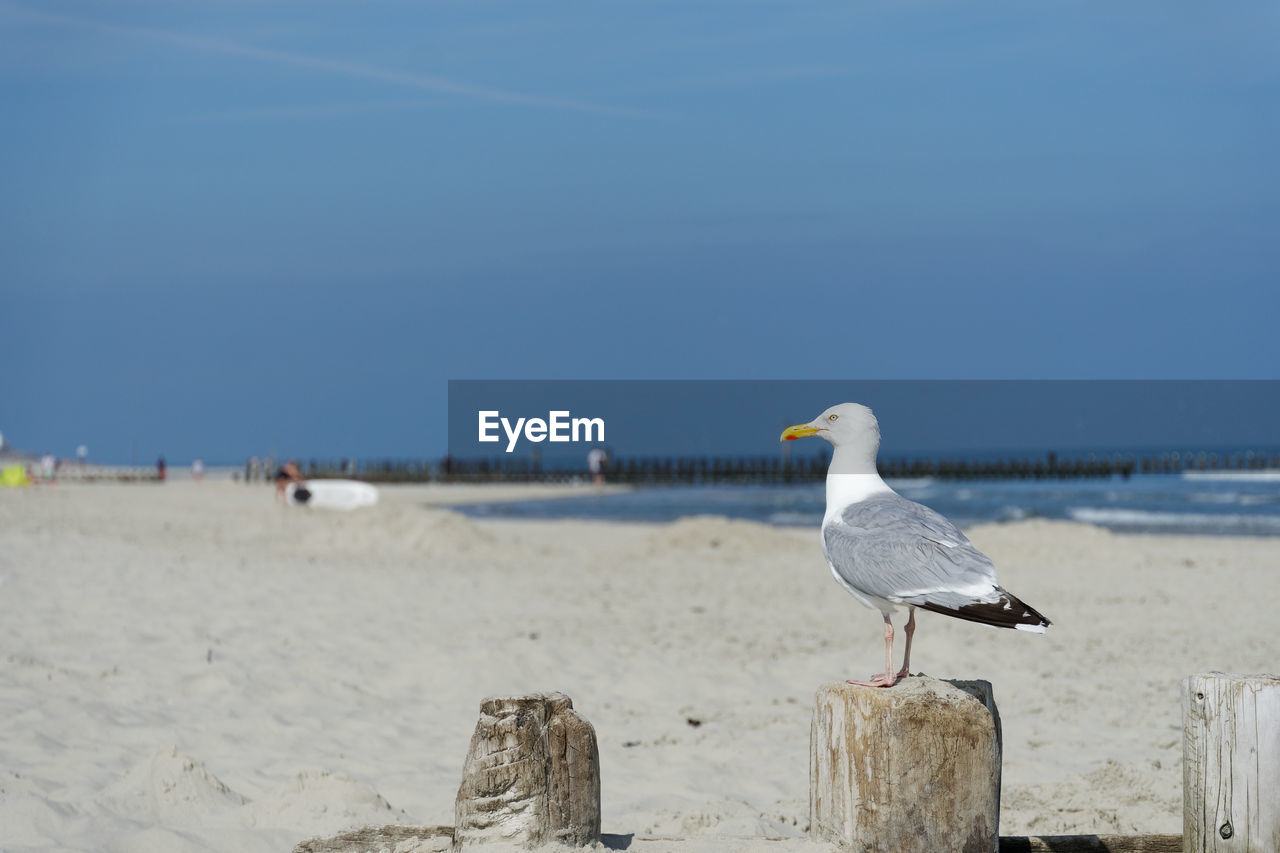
(852, 477)
(853, 460)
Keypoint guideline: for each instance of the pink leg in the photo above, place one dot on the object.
(886, 678)
(910, 628)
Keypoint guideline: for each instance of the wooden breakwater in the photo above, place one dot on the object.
(532, 776)
(763, 470)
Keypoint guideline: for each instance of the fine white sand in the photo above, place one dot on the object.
(191, 667)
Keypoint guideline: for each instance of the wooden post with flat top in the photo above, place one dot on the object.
(1231, 763)
(913, 768)
(532, 776)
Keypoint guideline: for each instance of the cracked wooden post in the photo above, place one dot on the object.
(532, 775)
(1231, 763)
(913, 768)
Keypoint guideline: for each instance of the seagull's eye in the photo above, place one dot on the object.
(833, 417)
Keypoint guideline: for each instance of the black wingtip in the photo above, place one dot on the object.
(1006, 612)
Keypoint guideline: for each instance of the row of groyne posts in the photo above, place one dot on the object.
(914, 768)
(760, 470)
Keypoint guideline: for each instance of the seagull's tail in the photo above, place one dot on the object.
(1008, 611)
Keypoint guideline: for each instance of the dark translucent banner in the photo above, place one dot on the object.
(562, 421)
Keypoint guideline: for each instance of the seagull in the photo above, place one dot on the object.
(889, 552)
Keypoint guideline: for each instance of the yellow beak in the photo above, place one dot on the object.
(791, 433)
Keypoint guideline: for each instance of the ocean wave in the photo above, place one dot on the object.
(1191, 522)
(917, 487)
(794, 519)
(1266, 475)
(1009, 512)
(1215, 497)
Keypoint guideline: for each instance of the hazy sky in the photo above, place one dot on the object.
(237, 226)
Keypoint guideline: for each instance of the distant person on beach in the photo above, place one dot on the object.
(596, 461)
(47, 467)
(160, 468)
(197, 469)
(287, 474)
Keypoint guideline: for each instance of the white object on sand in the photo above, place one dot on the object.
(331, 494)
(889, 551)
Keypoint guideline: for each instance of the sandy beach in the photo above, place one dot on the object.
(191, 667)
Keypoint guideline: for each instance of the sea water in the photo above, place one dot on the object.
(1240, 503)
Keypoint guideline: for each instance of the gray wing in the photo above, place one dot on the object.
(895, 549)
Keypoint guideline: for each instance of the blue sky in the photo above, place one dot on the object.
(233, 227)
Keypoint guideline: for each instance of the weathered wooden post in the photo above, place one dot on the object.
(1231, 763)
(913, 768)
(532, 775)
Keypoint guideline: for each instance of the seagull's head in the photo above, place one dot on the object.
(846, 424)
